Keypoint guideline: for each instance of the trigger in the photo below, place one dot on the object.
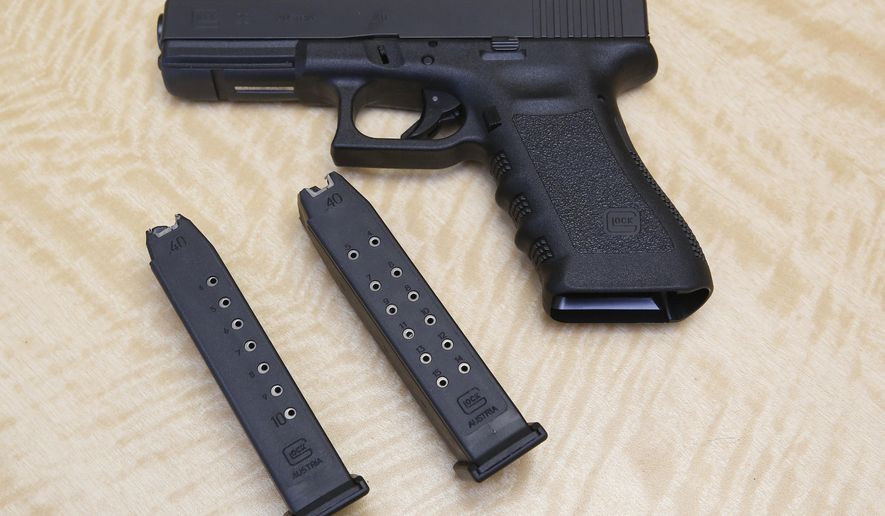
(439, 107)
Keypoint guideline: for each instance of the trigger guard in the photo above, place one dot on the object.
(352, 148)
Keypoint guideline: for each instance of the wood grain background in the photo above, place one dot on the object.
(766, 125)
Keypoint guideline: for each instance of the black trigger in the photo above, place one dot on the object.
(439, 107)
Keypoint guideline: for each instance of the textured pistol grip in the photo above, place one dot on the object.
(607, 242)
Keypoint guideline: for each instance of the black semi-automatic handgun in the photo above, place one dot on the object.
(526, 85)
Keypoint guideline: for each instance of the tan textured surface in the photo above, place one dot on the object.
(765, 126)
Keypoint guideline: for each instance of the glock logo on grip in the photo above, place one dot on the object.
(622, 221)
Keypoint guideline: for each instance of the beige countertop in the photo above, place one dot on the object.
(765, 125)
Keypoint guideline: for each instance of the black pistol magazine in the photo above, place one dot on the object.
(443, 370)
(284, 431)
